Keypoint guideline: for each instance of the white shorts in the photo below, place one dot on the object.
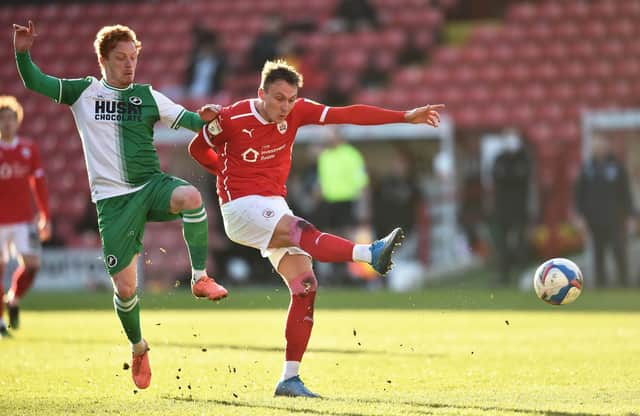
(19, 239)
(251, 221)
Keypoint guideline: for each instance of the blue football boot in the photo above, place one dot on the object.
(293, 387)
(381, 251)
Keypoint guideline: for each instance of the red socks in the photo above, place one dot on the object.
(300, 317)
(22, 280)
(324, 247)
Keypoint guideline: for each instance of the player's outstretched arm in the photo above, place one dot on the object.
(31, 75)
(371, 115)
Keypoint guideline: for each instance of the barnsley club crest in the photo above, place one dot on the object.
(282, 127)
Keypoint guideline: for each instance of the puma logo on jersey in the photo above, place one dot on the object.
(249, 132)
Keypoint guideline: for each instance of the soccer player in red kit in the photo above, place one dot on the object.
(248, 145)
(21, 179)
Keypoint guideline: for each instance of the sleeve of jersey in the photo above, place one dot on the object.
(39, 184)
(174, 115)
(64, 91)
(201, 151)
(364, 115)
(35, 80)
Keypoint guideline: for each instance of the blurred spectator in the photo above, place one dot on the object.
(355, 15)
(376, 73)
(266, 44)
(291, 50)
(207, 65)
(342, 178)
(396, 196)
(511, 177)
(411, 53)
(471, 211)
(603, 200)
(339, 90)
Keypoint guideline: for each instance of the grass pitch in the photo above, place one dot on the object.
(445, 351)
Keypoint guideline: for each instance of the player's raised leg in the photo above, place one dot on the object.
(127, 306)
(187, 201)
(297, 272)
(327, 247)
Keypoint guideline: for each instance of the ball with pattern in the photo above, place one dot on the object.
(558, 281)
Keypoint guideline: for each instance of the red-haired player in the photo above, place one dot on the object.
(249, 147)
(21, 181)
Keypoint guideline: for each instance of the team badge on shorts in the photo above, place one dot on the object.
(112, 261)
(135, 100)
(268, 213)
(282, 127)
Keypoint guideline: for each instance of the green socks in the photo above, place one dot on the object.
(195, 229)
(128, 311)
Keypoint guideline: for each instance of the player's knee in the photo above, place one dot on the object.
(124, 289)
(187, 197)
(298, 226)
(304, 284)
(31, 263)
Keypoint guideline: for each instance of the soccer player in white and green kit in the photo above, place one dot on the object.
(115, 120)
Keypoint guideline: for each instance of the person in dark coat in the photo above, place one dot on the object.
(603, 200)
(511, 177)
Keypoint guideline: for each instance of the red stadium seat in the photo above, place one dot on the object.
(523, 13)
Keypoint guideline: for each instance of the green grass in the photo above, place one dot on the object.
(445, 351)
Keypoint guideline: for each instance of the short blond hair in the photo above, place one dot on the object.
(280, 70)
(108, 37)
(9, 102)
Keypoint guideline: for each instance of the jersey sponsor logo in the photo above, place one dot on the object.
(13, 170)
(282, 127)
(249, 132)
(250, 155)
(135, 100)
(111, 110)
(112, 261)
(268, 213)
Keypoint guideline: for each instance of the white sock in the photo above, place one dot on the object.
(362, 253)
(290, 369)
(2, 323)
(196, 275)
(140, 347)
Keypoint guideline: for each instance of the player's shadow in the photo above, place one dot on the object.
(417, 407)
(359, 351)
(293, 409)
(235, 347)
(490, 409)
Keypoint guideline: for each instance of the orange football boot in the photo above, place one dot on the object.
(206, 287)
(141, 370)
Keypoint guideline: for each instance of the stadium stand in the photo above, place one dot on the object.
(537, 69)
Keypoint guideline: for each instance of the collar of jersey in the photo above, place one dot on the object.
(13, 143)
(111, 87)
(256, 113)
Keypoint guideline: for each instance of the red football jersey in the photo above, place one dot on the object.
(20, 165)
(255, 155)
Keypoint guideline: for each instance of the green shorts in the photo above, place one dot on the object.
(121, 219)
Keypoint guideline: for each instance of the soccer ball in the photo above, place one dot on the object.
(558, 281)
